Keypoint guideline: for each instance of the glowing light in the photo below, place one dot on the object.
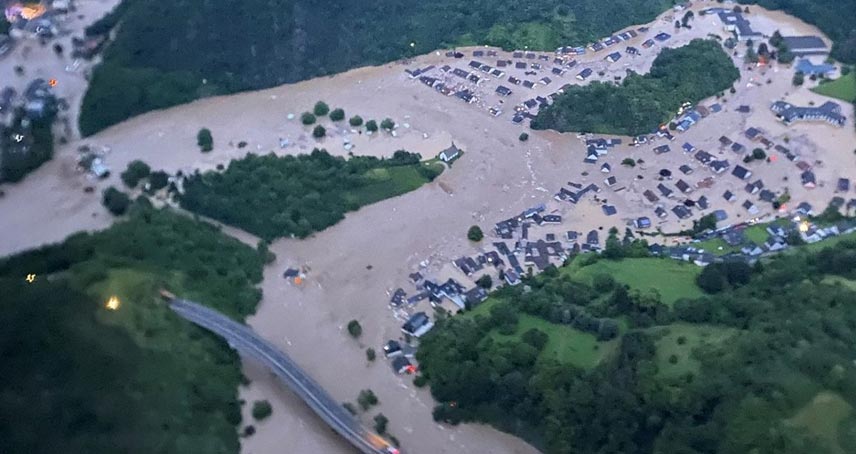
(113, 303)
(803, 226)
(52, 82)
(28, 11)
(30, 278)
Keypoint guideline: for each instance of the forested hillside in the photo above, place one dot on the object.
(166, 53)
(80, 378)
(765, 367)
(833, 17)
(642, 102)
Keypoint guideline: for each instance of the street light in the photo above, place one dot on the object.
(113, 303)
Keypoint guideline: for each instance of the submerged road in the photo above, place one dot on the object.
(245, 341)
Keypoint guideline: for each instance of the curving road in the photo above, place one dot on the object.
(244, 340)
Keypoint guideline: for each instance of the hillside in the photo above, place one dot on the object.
(765, 367)
(167, 53)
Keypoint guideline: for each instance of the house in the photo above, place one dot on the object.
(398, 298)
(402, 365)
(720, 215)
(502, 90)
(584, 74)
(521, 65)
(767, 195)
(754, 187)
(475, 296)
(752, 133)
(290, 273)
(663, 36)
(609, 210)
(514, 80)
(688, 147)
(662, 149)
(719, 166)
(805, 45)
(660, 212)
(729, 196)
(752, 249)
(683, 186)
(592, 238)
(613, 57)
(682, 212)
(511, 277)
(449, 154)
(546, 80)
(843, 185)
(528, 84)
(664, 190)
(703, 157)
(810, 69)
(750, 207)
(642, 223)
(417, 325)
(739, 25)
(804, 208)
(551, 219)
(392, 349)
(648, 43)
(741, 172)
(632, 50)
(775, 243)
(808, 179)
(685, 169)
(829, 112)
(648, 194)
(738, 147)
(725, 141)
(557, 71)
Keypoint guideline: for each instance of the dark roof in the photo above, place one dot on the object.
(798, 44)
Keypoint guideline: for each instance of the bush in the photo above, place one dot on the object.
(485, 281)
(603, 283)
(136, 171)
(158, 180)
(420, 381)
(261, 410)
(205, 140)
(387, 124)
(319, 132)
(370, 354)
(354, 329)
(337, 114)
(628, 162)
(380, 422)
(307, 118)
(475, 233)
(523, 137)
(366, 399)
(116, 201)
(799, 79)
(356, 121)
(321, 108)
(371, 126)
(759, 154)
(535, 338)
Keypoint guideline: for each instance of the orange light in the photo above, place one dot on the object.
(298, 280)
(52, 82)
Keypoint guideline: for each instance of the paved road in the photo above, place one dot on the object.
(247, 342)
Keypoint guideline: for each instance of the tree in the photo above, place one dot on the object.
(371, 126)
(366, 399)
(535, 338)
(523, 137)
(711, 279)
(319, 132)
(763, 50)
(799, 79)
(759, 154)
(387, 124)
(786, 56)
(420, 381)
(337, 114)
(355, 329)
(777, 40)
(628, 162)
(321, 108)
(307, 118)
(677, 24)
(380, 422)
(136, 171)
(356, 121)
(261, 410)
(205, 140)
(115, 201)
(475, 233)
(158, 180)
(370, 354)
(485, 281)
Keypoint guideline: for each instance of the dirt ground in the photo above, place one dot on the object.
(354, 264)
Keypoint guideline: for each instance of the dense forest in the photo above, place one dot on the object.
(765, 368)
(17, 159)
(828, 15)
(167, 53)
(272, 196)
(80, 378)
(643, 102)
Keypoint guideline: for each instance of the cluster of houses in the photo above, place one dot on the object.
(829, 112)
(35, 103)
(36, 20)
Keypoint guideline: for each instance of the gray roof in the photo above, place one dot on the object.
(798, 44)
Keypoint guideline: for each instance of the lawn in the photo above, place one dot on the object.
(756, 233)
(390, 182)
(843, 88)
(681, 340)
(672, 279)
(567, 345)
(827, 416)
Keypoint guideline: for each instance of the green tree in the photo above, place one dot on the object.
(380, 422)
(628, 162)
(321, 108)
(205, 140)
(319, 132)
(535, 338)
(371, 126)
(307, 118)
(116, 201)
(261, 410)
(759, 154)
(370, 354)
(387, 124)
(711, 279)
(356, 121)
(158, 180)
(136, 171)
(355, 329)
(475, 233)
(485, 281)
(799, 79)
(337, 114)
(523, 137)
(366, 399)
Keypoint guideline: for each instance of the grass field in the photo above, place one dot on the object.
(823, 417)
(565, 344)
(672, 279)
(390, 182)
(681, 340)
(843, 88)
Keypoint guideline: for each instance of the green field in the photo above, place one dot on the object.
(390, 182)
(672, 279)
(566, 344)
(826, 417)
(681, 340)
(843, 88)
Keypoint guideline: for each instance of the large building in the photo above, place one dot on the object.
(829, 112)
(806, 45)
(735, 22)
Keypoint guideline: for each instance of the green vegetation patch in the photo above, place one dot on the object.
(643, 102)
(824, 417)
(273, 196)
(843, 88)
(675, 349)
(132, 377)
(671, 279)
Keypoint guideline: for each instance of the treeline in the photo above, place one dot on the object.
(829, 16)
(84, 379)
(791, 328)
(18, 158)
(273, 196)
(167, 53)
(643, 102)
